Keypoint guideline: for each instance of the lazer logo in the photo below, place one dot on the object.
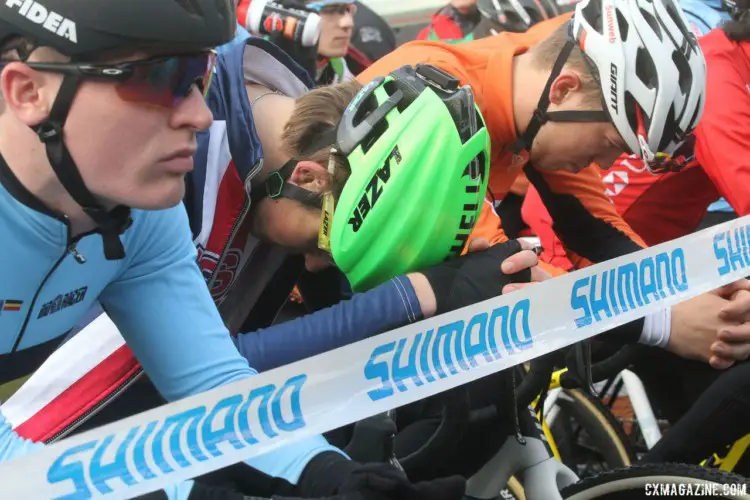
(49, 19)
(326, 223)
(613, 87)
(373, 191)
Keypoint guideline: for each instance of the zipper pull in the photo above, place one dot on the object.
(77, 256)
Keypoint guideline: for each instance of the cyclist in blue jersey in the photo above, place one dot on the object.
(97, 131)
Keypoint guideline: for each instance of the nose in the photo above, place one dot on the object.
(192, 112)
(347, 21)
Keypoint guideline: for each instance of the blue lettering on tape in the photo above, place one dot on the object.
(450, 349)
(269, 411)
(732, 249)
(628, 287)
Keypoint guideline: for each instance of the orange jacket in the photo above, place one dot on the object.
(590, 226)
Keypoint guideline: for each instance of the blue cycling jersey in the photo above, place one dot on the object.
(704, 15)
(156, 296)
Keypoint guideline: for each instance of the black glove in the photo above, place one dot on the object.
(385, 482)
(330, 476)
(474, 277)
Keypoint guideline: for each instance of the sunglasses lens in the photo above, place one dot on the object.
(165, 82)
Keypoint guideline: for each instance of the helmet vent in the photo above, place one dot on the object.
(623, 25)
(593, 15)
(683, 68)
(630, 105)
(677, 19)
(377, 131)
(652, 23)
(645, 69)
(670, 132)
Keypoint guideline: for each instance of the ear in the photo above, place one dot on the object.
(28, 93)
(565, 86)
(311, 175)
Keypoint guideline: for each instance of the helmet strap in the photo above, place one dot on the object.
(276, 186)
(542, 116)
(111, 223)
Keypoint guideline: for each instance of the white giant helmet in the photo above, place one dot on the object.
(651, 69)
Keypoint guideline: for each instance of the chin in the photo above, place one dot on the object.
(166, 196)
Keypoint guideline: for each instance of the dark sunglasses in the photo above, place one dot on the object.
(162, 81)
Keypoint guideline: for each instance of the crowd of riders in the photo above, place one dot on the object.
(185, 204)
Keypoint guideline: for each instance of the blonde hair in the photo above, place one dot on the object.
(315, 113)
(545, 53)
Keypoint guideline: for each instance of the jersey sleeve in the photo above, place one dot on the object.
(723, 134)
(11, 444)
(390, 305)
(584, 218)
(165, 313)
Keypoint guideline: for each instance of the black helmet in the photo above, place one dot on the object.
(515, 15)
(736, 8)
(81, 27)
(85, 28)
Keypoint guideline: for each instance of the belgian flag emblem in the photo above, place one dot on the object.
(10, 305)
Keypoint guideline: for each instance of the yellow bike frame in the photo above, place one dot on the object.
(726, 463)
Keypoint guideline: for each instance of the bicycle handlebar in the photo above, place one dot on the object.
(604, 369)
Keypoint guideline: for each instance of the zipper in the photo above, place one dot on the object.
(232, 233)
(70, 248)
(96, 408)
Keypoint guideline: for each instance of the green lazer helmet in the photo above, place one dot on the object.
(419, 154)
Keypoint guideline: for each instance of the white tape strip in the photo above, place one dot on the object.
(232, 423)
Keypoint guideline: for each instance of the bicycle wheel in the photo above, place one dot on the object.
(650, 480)
(588, 437)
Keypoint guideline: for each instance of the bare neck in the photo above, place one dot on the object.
(27, 159)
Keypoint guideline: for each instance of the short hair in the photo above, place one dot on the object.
(315, 113)
(545, 53)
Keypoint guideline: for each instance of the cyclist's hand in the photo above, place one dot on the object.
(385, 482)
(474, 277)
(527, 258)
(380, 481)
(696, 323)
(733, 343)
